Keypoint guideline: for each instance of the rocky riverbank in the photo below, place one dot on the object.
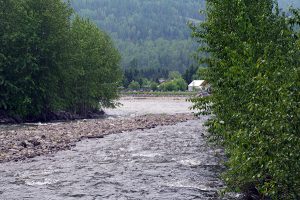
(18, 142)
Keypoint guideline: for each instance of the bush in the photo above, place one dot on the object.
(134, 85)
(154, 86)
(181, 84)
(168, 86)
(174, 85)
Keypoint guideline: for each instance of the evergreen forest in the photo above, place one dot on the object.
(150, 34)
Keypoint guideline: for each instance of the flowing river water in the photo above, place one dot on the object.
(169, 162)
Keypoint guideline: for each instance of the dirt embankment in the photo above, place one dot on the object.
(18, 142)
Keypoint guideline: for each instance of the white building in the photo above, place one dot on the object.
(198, 85)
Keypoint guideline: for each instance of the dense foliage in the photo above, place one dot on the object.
(139, 75)
(175, 82)
(50, 63)
(254, 71)
(138, 20)
(158, 54)
(134, 85)
(93, 74)
(152, 32)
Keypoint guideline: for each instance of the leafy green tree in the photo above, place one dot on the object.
(134, 85)
(154, 86)
(253, 67)
(169, 86)
(145, 83)
(200, 74)
(181, 84)
(94, 66)
(178, 84)
(51, 49)
(33, 45)
(49, 62)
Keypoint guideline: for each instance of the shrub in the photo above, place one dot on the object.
(154, 86)
(134, 85)
(174, 85)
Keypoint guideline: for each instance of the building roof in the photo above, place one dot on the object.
(161, 80)
(196, 83)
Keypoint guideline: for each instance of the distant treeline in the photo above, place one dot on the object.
(139, 20)
(139, 75)
(150, 78)
(49, 62)
(155, 33)
(160, 54)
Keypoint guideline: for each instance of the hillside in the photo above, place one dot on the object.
(150, 33)
(153, 33)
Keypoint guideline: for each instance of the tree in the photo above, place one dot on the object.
(169, 86)
(253, 59)
(49, 62)
(52, 29)
(178, 84)
(181, 84)
(154, 86)
(200, 74)
(94, 66)
(145, 83)
(34, 43)
(134, 85)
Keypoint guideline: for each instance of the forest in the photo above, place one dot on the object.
(152, 33)
(152, 36)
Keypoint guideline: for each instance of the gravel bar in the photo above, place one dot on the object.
(19, 142)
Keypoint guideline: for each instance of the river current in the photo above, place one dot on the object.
(164, 163)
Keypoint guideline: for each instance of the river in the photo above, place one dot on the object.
(167, 162)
